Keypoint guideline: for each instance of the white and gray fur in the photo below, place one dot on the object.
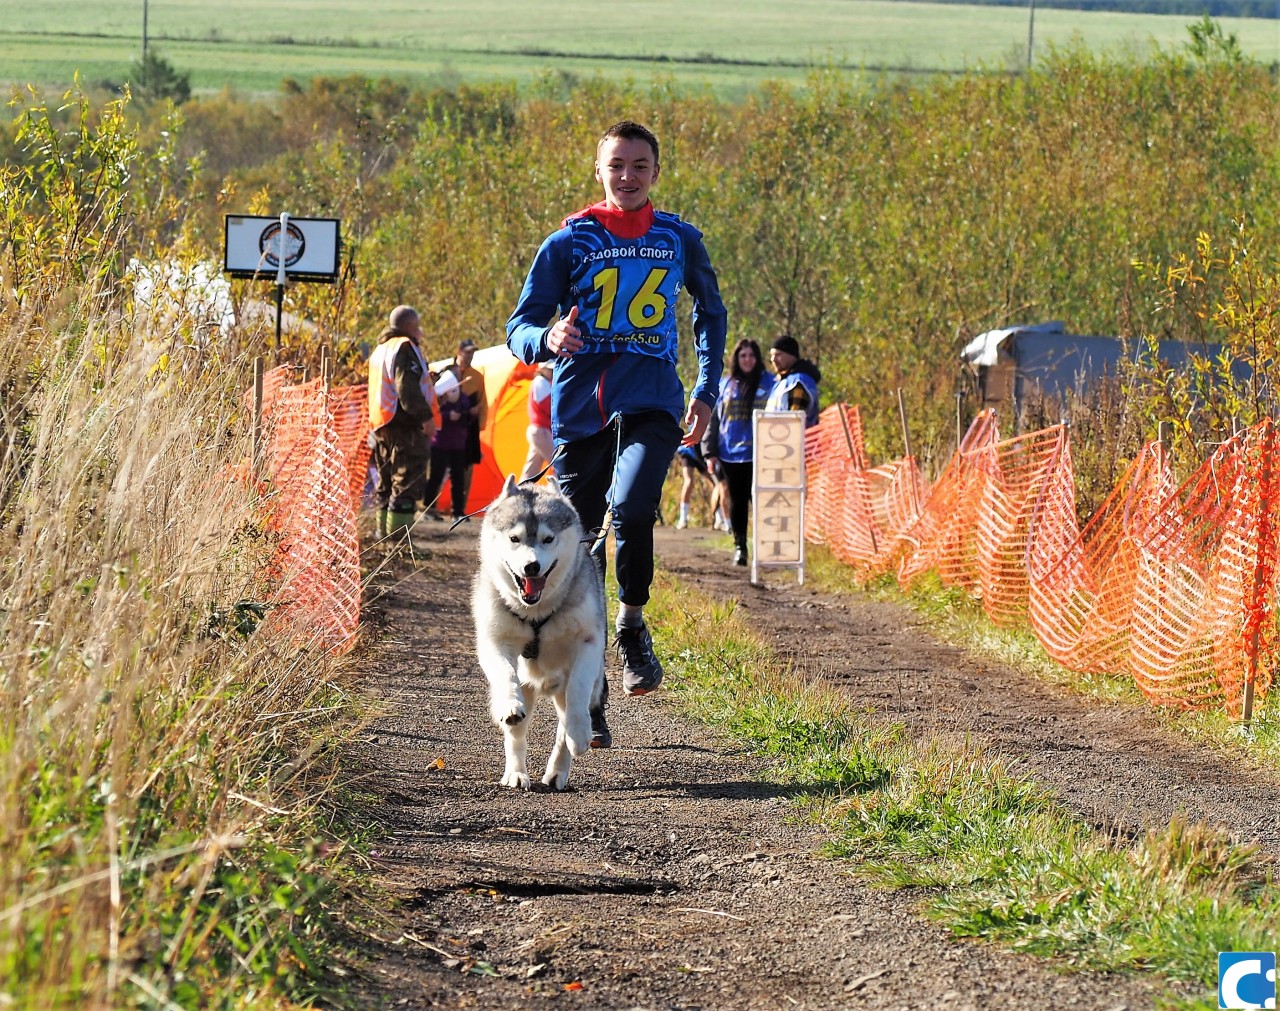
(538, 602)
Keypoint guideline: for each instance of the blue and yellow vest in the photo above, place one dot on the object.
(626, 289)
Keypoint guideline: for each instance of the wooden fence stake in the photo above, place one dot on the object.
(902, 416)
(1259, 570)
(906, 441)
(848, 441)
(257, 415)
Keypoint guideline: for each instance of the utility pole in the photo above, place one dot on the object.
(1031, 32)
(144, 32)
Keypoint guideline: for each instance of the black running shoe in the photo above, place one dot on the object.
(739, 556)
(600, 734)
(641, 672)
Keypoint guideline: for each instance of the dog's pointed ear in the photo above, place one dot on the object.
(510, 487)
(553, 483)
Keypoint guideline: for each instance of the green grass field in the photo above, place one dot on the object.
(729, 45)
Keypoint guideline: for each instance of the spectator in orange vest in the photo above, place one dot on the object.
(403, 416)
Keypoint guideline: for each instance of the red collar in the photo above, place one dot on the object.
(623, 224)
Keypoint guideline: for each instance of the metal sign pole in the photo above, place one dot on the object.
(279, 313)
(282, 276)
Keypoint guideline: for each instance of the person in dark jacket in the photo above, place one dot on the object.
(608, 280)
(472, 380)
(402, 416)
(796, 388)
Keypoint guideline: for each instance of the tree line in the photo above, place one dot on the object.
(882, 223)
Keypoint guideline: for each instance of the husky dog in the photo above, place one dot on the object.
(538, 602)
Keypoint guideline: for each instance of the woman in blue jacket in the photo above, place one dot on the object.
(729, 436)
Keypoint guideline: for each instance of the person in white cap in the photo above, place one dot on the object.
(449, 446)
(472, 380)
(542, 446)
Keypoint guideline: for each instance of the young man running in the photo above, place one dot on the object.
(609, 277)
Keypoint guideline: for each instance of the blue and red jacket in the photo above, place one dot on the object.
(624, 271)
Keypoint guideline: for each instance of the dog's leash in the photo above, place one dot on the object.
(528, 480)
(594, 537)
(597, 537)
(550, 463)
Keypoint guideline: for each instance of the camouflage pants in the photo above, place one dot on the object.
(402, 455)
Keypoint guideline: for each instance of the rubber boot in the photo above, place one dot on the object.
(399, 526)
(399, 521)
(382, 517)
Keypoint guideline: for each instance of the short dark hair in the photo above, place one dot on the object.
(628, 130)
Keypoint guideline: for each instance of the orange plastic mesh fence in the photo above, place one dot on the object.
(979, 517)
(349, 406)
(1083, 582)
(1024, 477)
(1175, 586)
(1204, 624)
(856, 510)
(311, 507)
(945, 535)
(837, 441)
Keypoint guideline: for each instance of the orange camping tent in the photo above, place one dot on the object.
(502, 442)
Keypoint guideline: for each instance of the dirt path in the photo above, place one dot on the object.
(671, 877)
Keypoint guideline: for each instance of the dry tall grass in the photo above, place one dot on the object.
(150, 749)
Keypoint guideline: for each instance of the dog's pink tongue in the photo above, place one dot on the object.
(533, 587)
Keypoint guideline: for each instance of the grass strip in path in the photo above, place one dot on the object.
(995, 856)
(959, 619)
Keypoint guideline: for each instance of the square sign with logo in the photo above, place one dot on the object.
(254, 245)
(1246, 979)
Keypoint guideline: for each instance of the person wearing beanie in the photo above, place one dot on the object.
(796, 388)
(449, 447)
(609, 278)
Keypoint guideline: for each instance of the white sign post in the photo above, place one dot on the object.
(778, 490)
(283, 249)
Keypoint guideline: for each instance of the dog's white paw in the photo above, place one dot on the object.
(514, 714)
(577, 735)
(516, 779)
(556, 780)
(578, 739)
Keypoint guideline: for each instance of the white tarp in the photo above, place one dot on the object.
(984, 350)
